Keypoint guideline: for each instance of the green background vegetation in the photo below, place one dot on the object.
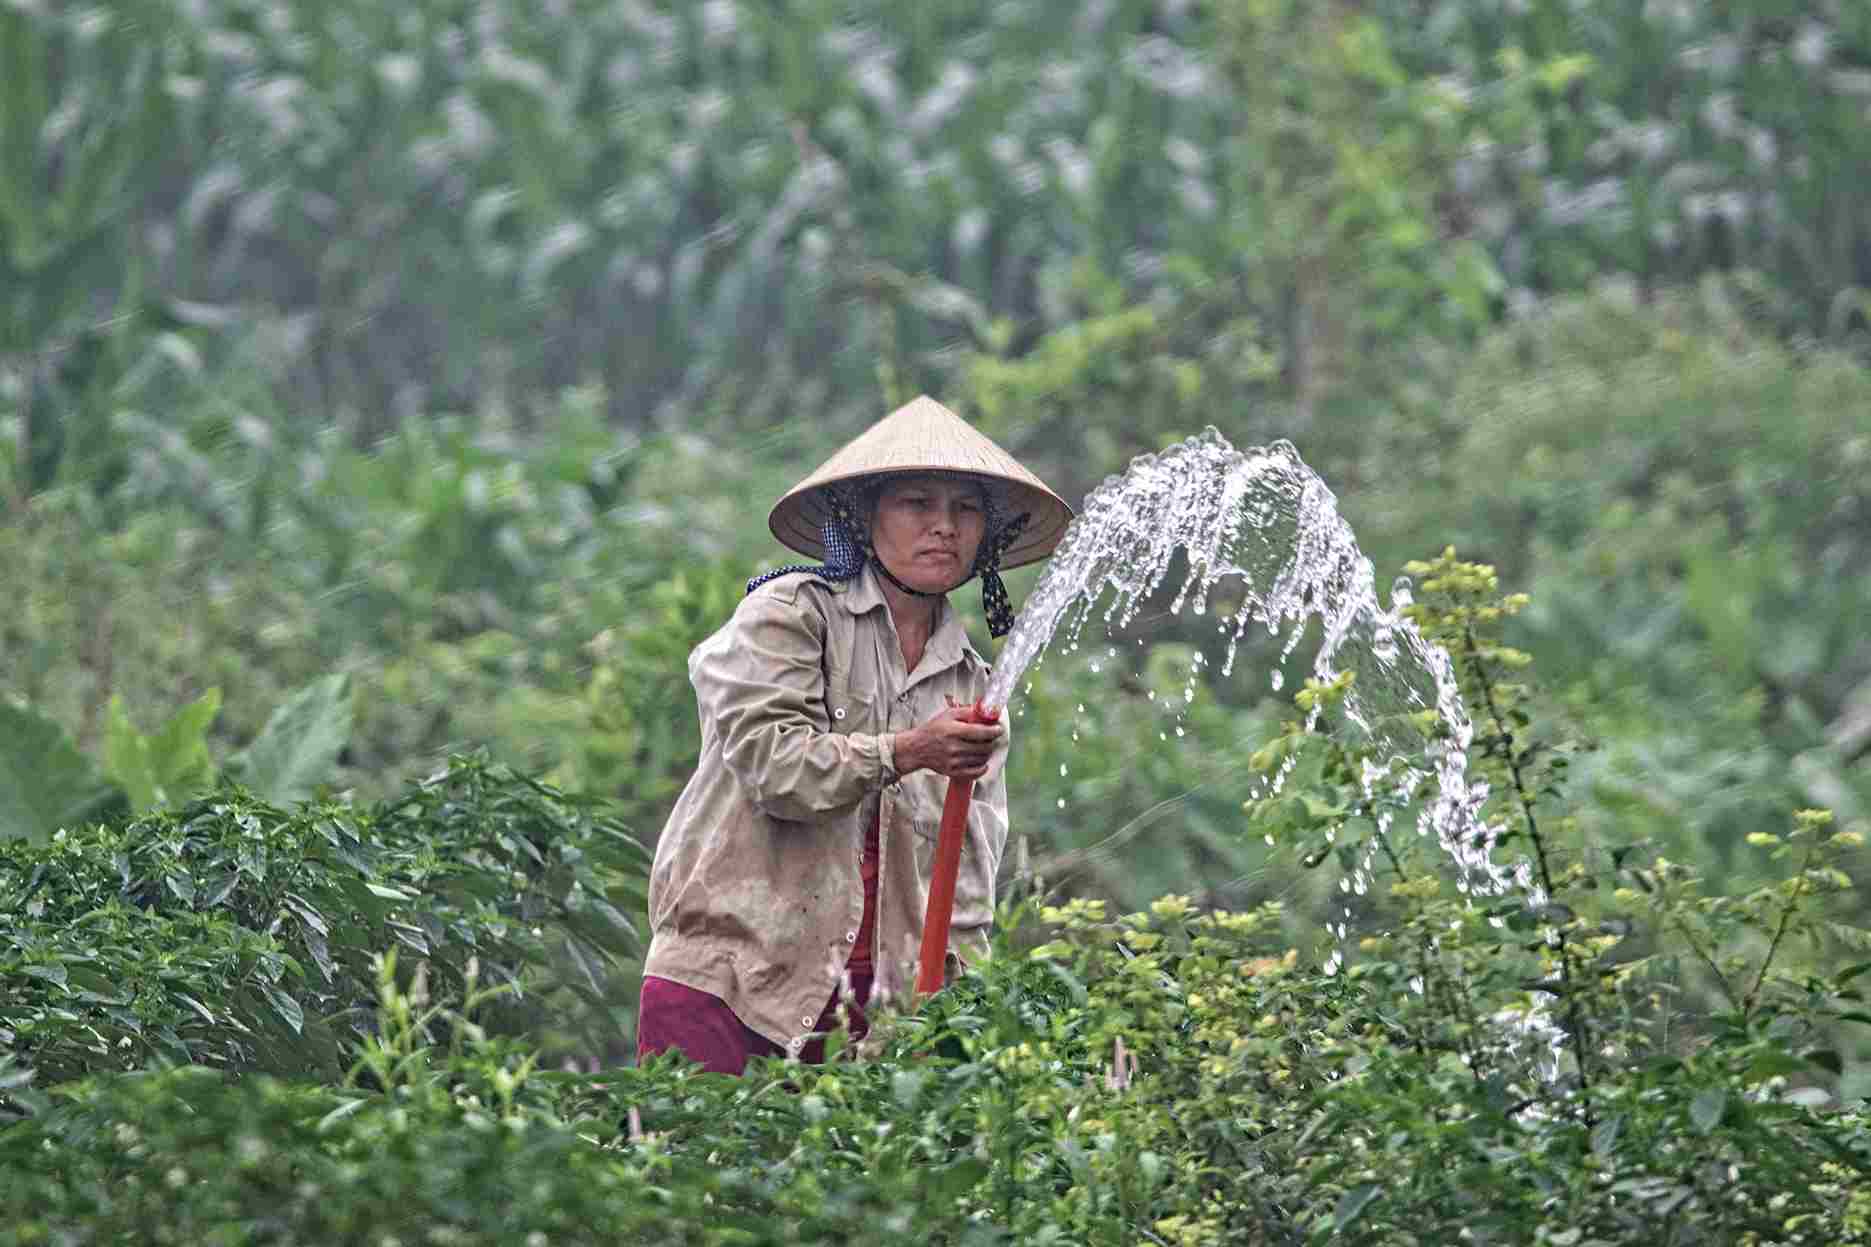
(384, 383)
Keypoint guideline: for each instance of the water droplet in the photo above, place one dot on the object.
(1278, 679)
(1062, 770)
(1062, 803)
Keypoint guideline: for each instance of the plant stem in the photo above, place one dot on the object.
(1576, 1024)
(1708, 959)
(1794, 894)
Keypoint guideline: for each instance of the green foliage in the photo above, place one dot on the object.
(161, 769)
(1682, 496)
(1168, 1076)
(49, 785)
(45, 783)
(1610, 1054)
(634, 732)
(721, 210)
(298, 748)
(237, 934)
(1602, 941)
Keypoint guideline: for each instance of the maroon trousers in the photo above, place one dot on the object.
(704, 1029)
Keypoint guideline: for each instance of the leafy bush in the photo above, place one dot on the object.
(236, 934)
(46, 784)
(1165, 1077)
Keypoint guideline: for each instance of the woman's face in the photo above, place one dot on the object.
(926, 530)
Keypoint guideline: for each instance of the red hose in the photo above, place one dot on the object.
(943, 871)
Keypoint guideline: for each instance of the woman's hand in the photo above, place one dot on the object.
(949, 744)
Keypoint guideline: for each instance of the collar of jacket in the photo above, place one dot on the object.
(947, 645)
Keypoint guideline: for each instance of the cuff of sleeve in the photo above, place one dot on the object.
(887, 757)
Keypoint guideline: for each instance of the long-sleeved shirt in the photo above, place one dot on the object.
(755, 895)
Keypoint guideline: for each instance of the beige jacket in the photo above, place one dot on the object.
(755, 895)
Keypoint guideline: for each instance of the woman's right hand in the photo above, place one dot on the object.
(950, 744)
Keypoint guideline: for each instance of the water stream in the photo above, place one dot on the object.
(1261, 524)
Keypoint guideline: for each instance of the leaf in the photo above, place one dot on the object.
(179, 749)
(1353, 1203)
(126, 757)
(389, 893)
(298, 748)
(593, 973)
(1705, 1111)
(957, 1180)
(285, 1006)
(51, 973)
(1321, 810)
(338, 1114)
(320, 949)
(45, 783)
(613, 915)
(307, 913)
(1605, 1134)
(207, 1014)
(158, 770)
(220, 889)
(409, 936)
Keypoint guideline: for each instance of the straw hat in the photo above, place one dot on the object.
(923, 435)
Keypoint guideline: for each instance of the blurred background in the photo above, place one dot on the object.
(427, 369)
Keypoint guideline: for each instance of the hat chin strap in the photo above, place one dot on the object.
(889, 575)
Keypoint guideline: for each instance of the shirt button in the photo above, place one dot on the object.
(839, 713)
(851, 937)
(806, 1020)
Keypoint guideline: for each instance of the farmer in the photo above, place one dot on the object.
(792, 875)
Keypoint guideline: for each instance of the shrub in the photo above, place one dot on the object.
(234, 933)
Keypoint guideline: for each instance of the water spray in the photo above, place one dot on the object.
(1265, 523)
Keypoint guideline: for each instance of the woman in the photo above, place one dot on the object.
(793, 870)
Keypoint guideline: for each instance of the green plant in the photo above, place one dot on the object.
(233, 933)
(159, 770)
(45, 782)
(47, 785)
(1604, 955)
(298, 748)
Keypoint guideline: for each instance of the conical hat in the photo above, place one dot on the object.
(923, 435)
